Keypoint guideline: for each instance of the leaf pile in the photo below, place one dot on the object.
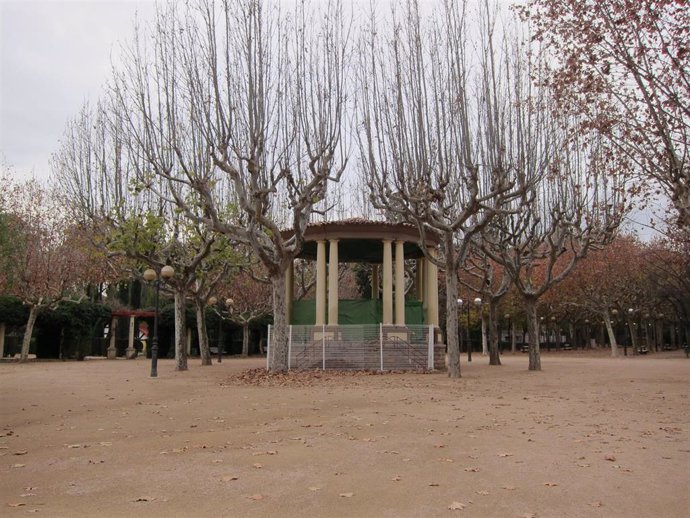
(300, 378)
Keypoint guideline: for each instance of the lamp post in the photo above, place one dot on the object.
(631, 312)
(614, 323)
(460, 303)
(212, 301)
(150, 275)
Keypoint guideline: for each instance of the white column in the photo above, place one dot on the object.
(399, 283)
(432, 292)
(333, 282)
(320, 283)
(289, 292)
(130, 343)
(387, 282)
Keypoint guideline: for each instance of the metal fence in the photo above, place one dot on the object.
(370, 347)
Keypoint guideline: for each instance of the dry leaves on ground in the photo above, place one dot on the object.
(299, 378)
(456, 506)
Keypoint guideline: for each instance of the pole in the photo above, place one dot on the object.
(469, 342)
(154, 342)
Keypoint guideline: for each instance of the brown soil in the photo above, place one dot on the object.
(587, 436)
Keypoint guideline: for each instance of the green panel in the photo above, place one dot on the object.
(414, 313)
(355, 312)
(303, 312)
(359, 312)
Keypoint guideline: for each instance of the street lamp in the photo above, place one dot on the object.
(212, 301)
(469, 344)
(150, 275)
(631, 312)
(228, 304)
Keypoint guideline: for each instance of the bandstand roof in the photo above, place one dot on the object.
(360, 240)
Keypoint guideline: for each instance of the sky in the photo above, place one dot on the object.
(54, 56)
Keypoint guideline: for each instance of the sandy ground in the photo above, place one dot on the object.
(587, 436)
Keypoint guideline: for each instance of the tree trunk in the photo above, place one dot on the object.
(485, 345)
(2, 339)
(632, 330)
(612, 335)
(245, 340)
(494, 356)
(513, 345)
(533, 330)
(278, 361)
(204, 350)
(26, 342)
(452, 322)
(180, 335)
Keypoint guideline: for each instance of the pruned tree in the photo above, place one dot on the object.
(492, 282)
(622, 67)
(437, 133)
(248, 301)
(238, 115)
(576, 207)
(96, 169)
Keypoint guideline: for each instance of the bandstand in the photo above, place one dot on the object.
(393, 329)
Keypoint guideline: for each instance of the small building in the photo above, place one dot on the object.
(390, 330)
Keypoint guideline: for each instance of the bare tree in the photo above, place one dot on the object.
(576, 207)
(240, 111)
(96, 169)
(436, 121)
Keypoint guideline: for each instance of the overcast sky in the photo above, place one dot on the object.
(54, 55)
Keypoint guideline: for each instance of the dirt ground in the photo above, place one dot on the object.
(587, 436)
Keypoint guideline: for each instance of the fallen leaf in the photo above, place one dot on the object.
(228, 478)
(217, 461)
(456, 506)
(74, 445)
(550, 484)
(16, 504)
(105, 443)
(434, 484)
(20, 452)
(610, 457)
(482, 492)
(596, 504)
(396, 478)
(472, 470)
(509, 488)
(505, 454)
(19, 465)
(257, 465)
(314, 488)
(346, 495)
(256, 497)
(25, 495)
(144, 499)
